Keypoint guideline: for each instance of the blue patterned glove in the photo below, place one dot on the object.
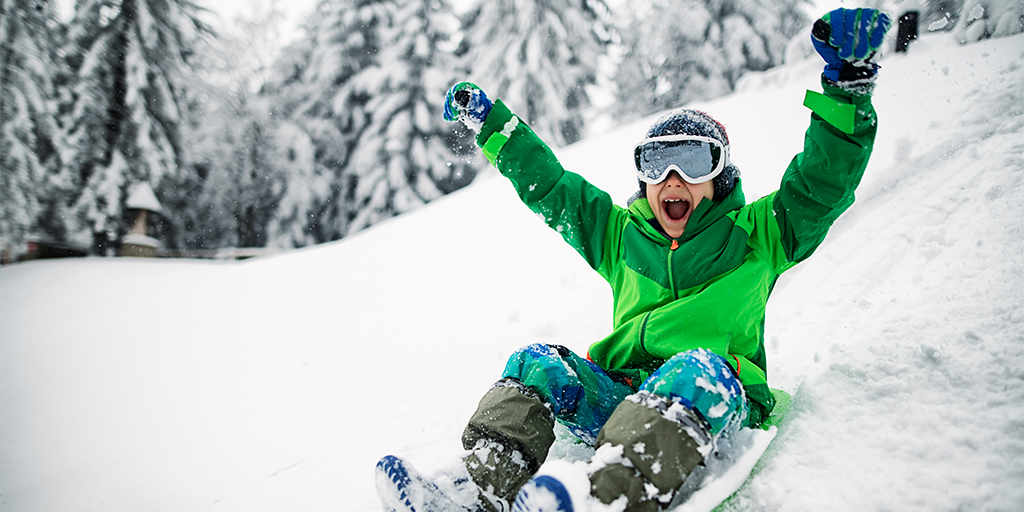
(848, 39)
(467, 103)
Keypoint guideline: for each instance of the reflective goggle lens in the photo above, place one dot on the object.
(697, 159)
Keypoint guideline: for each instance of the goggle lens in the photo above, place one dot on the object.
(697, 159)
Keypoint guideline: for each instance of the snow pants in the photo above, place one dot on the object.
(583, 397)
(665, 429)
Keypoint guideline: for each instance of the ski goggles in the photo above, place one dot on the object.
(697, 159)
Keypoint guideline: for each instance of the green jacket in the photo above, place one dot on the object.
(711, 290)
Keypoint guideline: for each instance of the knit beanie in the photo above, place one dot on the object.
(694, 122)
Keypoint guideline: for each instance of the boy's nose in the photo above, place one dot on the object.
(674, 177)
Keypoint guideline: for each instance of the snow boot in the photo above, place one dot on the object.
(562, 486)
(544, 494)
(509, 436)
(402, 489)
(648, 448)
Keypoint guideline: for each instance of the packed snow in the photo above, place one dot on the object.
(278, 382)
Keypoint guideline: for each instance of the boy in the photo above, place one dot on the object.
(691, 266)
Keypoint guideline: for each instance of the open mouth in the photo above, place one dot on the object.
(675, 209)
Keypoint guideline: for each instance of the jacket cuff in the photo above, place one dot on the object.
(496, 131)
(861, 87)
(856, 95)
(840, 114)
(838, 105)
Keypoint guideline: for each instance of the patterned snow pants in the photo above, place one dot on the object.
(583, 397)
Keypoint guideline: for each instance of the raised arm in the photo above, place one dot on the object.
(569, 204)
(819, 184)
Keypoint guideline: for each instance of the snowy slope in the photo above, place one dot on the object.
(276, 384)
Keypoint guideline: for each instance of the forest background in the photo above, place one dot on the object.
(250, 144)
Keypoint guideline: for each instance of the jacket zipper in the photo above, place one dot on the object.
(671, 279)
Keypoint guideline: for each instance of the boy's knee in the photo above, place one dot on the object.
(538, 351)
(662, 441)
(703, 381)
(547, 370)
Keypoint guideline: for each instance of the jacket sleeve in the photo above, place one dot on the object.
(819, 184)
(567, 202)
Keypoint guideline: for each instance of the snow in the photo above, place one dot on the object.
(277, 383)
(142, 197)
(726, 471)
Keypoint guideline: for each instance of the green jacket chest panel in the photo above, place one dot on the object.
(725, 314)
(663, 307)
(714, 251)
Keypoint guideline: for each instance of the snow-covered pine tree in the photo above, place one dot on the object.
(366, 87)
(310, 87)
(403, 158)
(679, 51)
(933, 15)
(970, 20)
(301, 214)
(539, 56)
(254, 182)
(294, 152)
(238, 172)
(982, 19)
(231, 189)
(127, 111)
(29, 138)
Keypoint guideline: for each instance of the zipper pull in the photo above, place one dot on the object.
(675, 245)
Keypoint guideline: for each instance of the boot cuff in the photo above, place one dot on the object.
(674, 411)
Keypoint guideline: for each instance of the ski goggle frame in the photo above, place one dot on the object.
(696, 159)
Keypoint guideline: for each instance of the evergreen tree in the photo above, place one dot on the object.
(250, 184)
(311, 86)
(29, 138)
(230, 190)
(367, 90)
(679, 51)
(982, 19)
(934, 15)
(127, 114)
(290, 225)
(403, 158)
(538, 56)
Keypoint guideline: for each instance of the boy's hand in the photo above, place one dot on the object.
(467, 103)
(848, 40)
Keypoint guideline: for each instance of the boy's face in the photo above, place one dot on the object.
(674, 200)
